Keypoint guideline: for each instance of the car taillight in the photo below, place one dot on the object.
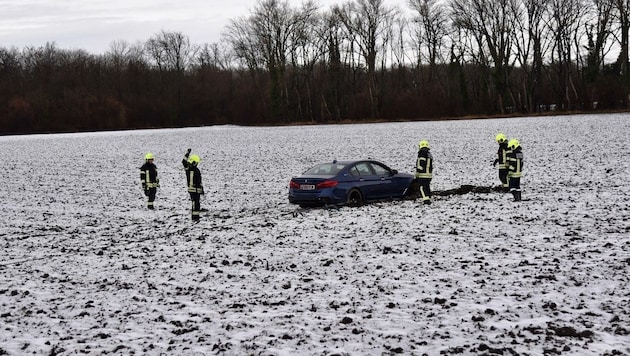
(327, 184)
(293, 184)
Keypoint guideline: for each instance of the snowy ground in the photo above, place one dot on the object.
(86, 269)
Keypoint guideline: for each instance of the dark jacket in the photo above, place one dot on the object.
(149, 176)
(193, 177)
(502, 156)
(424, 164)
(515, 162)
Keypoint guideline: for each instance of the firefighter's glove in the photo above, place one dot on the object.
(495, 162)
(187, 153)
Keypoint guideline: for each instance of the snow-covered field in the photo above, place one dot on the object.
(85, 268)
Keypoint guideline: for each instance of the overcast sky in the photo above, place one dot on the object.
(93, 25)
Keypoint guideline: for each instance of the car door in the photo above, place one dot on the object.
(385, 187)
(365, 179)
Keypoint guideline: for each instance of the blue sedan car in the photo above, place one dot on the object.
(349, 182)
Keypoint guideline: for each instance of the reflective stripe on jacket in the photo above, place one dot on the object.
(149, 176)
(502, 154)
(424, 164)
(193, 178)
(515, 163)
(194, 182)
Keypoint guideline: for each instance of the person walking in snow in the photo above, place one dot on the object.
(149, 179)
(193, 182)
(515, 168)
(424, 170)
(502, 160)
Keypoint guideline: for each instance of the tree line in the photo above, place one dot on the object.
(360, 60)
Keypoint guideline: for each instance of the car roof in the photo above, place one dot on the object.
(352, 161)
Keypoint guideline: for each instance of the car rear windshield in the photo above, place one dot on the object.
(325, 169)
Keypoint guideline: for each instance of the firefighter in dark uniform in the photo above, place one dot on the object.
(193, 182)
(149, 179)
(515, 168)
(424, 171)
(502, 160)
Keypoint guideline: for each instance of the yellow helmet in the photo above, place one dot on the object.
(194, 160)
(513, 144)
(149, 156)
(500, 138)
(423, 143)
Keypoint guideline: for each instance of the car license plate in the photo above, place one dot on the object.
(307, 187)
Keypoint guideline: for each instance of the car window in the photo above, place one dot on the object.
(325, 169)
(380, 170)
(362, 169)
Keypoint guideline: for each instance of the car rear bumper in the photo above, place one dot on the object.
(322, 197)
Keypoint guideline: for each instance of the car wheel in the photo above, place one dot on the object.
(355, 197)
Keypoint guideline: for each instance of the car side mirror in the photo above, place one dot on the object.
(394, 171)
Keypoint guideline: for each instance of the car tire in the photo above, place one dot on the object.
(355, 197)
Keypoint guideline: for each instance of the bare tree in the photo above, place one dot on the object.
(564, 25)
(281, 30)
(15, 110)
(491, 23)
(270, 38)
(623, 62)
(430, 27)
(214, 55)
(531, 47)
(305, 51)
(432, 24)
(243, 42)
(118, 56)
(10, 69)
(172, 53)
(368, 23)
(598, 32)
(40, 68)
(332, 34)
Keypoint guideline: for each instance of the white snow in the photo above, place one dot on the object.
(86, 268)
